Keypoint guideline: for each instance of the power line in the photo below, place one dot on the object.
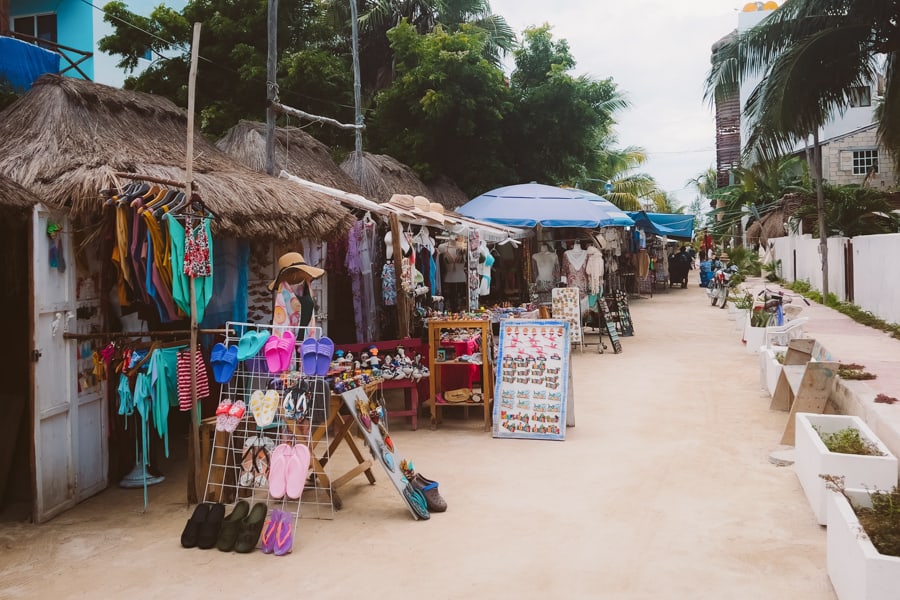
(185, 49)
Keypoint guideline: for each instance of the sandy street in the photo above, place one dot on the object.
(663, 490)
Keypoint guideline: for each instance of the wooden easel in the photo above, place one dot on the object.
(340, 425)
(803, 385)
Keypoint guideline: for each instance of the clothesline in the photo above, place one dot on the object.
(139, 334)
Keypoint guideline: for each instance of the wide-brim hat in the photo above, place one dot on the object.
(294, 261)
(423, 208)
(403, 204)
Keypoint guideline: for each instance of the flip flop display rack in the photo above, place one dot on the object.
(268, 408)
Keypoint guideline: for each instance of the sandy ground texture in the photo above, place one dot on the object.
(663, 490)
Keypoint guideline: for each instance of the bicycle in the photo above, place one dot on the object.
(773, 303)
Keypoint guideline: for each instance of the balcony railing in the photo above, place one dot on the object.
(80, 55)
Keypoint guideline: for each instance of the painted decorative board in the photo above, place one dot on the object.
(610, 327)
(566, 305)
(532, 379)
(624, 314)
(381, 450)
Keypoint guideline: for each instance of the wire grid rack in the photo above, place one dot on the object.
(238, 467)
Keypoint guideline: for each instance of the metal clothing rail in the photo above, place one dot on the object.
(139, 334)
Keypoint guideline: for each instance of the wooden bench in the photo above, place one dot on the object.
(803, 385)
(411, 346)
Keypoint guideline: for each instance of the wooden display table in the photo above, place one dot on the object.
(435, 327)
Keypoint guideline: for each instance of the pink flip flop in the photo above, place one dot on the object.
(308, 355)
(297, 469)
(286, 348)
(273, 353)
(278, 470)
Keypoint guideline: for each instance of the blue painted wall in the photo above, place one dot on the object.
(74, 26)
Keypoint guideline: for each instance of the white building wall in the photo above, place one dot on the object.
(876, 286)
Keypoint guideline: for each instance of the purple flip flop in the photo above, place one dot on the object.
(324, 353)
(308, 350)
(284, 533)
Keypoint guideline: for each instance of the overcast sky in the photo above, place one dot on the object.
(657, 51)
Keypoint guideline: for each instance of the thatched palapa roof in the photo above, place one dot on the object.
(771, 224)
(384, 176)
(445, 191)
(296, 152)
(65, 139)
(14, 197)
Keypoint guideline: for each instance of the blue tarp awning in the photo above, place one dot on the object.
(669, 225)
(532, 204)
(21, 63)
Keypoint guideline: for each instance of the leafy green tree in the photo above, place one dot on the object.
(811, 54)
(559, 122)
(377, 17)
(443, 114)
(313, 70)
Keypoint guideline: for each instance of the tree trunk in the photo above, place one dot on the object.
(820, 209)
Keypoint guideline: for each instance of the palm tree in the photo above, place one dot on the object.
(631, 189)
(811, 54)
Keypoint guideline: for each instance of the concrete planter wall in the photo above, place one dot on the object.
(732, 311)
(740, 319)
(769, 370)
(856, 569)
(754, 337)
(813, 459)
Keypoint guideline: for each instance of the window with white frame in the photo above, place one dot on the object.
(865, 161)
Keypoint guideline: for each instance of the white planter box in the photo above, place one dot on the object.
(856, 569)
(740, 320)
(732, 311)
(769, 370)
(813, 459)
(754, 337)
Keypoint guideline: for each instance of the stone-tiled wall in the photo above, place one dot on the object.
(837, 165)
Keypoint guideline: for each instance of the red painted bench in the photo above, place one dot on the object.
(411, 346)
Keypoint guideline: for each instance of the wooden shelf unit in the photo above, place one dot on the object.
(435, 327)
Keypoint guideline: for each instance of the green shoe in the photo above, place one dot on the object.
(250, 528)
(228, 532)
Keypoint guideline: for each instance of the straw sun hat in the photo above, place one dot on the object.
(294, 261)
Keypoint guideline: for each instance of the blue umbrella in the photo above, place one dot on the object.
(532, 204)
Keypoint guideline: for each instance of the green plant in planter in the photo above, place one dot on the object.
(881, 522)
(759, 317)
(744, 302)
(779, 356)
(849, 441)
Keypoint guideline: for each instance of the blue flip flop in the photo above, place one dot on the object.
(308, 355)
(251, 343)
(224, 361)
(324, 353)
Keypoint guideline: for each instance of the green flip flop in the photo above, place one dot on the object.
(230, 528)
(251, 528)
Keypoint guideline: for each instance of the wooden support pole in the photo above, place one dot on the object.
(271, 85)
(194, 458)
(152, 179)
(402, 297)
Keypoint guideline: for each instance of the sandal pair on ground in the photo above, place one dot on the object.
(239, 531)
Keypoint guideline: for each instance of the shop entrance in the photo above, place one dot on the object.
(15, 471)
